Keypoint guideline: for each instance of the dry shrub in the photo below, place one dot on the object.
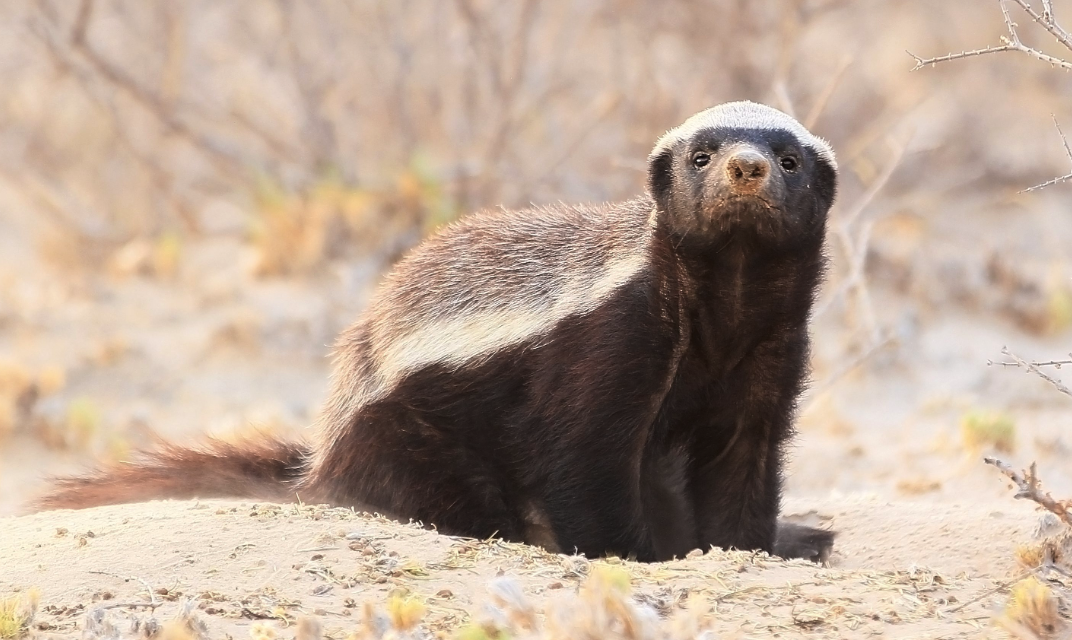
(82, 422)
(79, 428)
(20, 390)
(1039, 301)
(1052, 551)
(157, 257)
(988, 430)
(298, 233)
(1058, 306)
(128, 119)
(241, 332)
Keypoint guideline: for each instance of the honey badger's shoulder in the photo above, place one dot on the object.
(500, 277)
(490, 257)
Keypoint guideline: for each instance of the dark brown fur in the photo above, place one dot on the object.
(609, 380)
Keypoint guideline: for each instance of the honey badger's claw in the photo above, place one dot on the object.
(799, 541)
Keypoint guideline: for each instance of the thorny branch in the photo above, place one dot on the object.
(1029, 487)
(1033, 367)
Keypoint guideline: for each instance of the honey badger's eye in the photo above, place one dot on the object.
(701, 160)
(789, 163)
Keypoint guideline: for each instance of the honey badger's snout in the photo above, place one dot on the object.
(747, 171)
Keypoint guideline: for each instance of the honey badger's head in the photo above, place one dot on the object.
(742, 170)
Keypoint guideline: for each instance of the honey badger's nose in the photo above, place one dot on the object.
(747, 170)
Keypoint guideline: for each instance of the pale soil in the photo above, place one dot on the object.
(902, 569)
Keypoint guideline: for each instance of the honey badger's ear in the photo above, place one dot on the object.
(661, 175)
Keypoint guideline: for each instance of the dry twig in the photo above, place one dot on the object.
(1029, 487)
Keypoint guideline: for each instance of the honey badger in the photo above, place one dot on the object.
(612, 379)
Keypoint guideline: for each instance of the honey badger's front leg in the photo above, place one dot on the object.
(596, 388)
(738, 492)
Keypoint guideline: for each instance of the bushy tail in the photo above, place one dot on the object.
(261, 469)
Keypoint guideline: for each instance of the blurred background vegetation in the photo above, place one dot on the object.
(196, 196)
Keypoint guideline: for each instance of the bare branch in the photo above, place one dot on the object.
(850, 366)
(1011, 41)
(1047, 21)
(1032, 368)
(1029, 487)
(856, 250)
(897, 151)
(1048, 363)
(923, 62)
(1057, 180)
(1014, 38)
(1068, 152)
(824, 97)
(225, 159)
(1064, 140)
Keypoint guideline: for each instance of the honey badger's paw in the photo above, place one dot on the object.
(799, 541)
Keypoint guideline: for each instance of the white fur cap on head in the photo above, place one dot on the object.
(745, 115)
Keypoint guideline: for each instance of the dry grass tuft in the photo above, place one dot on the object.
(1031, 555)
(176, 630)
(602, 608)
(17, 613)
(262, 631)
(988, 430)
(405, 612)
(1032, 607)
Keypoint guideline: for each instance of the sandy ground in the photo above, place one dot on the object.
(933, 575)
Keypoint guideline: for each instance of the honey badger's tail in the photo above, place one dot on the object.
(262, 469)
